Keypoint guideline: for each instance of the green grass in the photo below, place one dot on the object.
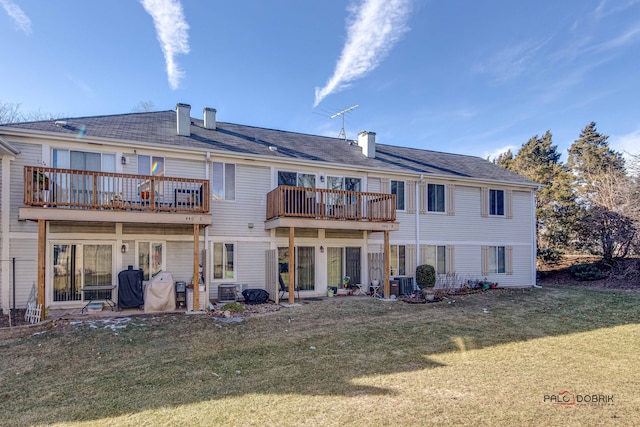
(374, 363)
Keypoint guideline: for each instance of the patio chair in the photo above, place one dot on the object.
(284, 289)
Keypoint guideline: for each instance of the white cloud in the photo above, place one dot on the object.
(372, 29)
(493, 155)
(626, 144)
(513, 60)
(19, 17)
(172, 32)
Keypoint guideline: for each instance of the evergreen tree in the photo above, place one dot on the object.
(590, 158)
(556, 209)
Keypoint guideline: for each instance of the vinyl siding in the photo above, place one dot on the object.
(232, 218)
(25, 252)
(30, 154)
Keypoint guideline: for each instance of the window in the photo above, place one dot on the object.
(497, 259)
(435, 198)
(343, 262)
(224, 181)
(397, 260)
(150, 165)
(224, 261)
(305, 266)
(397, 188)
(496, 202)
(435, 256)
(296, 179)
(76, 266)
(80, 188)
(150, 258)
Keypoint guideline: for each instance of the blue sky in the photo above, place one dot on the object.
(462, 76)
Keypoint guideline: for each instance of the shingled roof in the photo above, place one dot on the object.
(159, 128)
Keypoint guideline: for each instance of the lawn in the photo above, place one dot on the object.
(502, 357)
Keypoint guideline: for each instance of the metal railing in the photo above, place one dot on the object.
(318, 203)
(68, 188)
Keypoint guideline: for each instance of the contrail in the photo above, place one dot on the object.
(171, 30)
(372, 30)
(19, 17)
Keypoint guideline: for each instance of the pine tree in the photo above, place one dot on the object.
(590, 158)
(556, 209)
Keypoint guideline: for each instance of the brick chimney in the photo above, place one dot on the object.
(183, 116)
(367, 141)
(209, 118)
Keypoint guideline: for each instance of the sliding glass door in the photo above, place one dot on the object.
(77, 266)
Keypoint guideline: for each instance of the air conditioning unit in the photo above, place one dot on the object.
(227, 293)
(405, 284)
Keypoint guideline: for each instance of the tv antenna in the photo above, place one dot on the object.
(342, 133)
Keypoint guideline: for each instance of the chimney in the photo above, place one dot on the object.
(209, 118)
(183, 115)
(367, 141)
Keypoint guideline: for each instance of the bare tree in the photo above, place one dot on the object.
(10, 112)
(144, 107)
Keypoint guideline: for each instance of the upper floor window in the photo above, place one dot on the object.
(296, 179)
(224, 181)
(84, 161)
(496, 202)
(397, 188)
(150, 165)
(435, 198)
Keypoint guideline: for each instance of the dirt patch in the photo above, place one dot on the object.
(248, 310)
(17, 319)
(622, 274)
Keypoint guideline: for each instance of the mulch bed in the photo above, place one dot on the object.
(5, 321)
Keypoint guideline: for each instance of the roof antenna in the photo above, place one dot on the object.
(342, 133)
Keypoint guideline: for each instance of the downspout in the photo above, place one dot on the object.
(417, 198)
(205, 261)
(534, 239)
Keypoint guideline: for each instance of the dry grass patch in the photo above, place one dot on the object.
(478, 359)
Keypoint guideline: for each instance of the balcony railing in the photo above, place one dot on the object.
(318, 203)
(77, 189)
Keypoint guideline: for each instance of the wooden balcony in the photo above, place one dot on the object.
(87, 191)
(299, 206)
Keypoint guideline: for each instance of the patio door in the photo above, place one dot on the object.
(77, 266)
(341, 263)
(305, 266)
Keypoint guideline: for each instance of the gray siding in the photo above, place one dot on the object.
(30, 154)
(232, 218)
(25, 252)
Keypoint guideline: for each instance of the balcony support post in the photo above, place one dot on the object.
(196, 267)
(292, 266)
(387, 252)
(42, 241)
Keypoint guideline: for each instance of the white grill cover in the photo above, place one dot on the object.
(160, 294)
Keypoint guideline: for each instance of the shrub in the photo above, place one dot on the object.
(426, 276)
(549, 255)
(587, 272)
(234, 307)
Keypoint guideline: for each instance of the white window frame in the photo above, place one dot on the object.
(225, 187)
(151, 158)
(398, 261)
(150, 243)
(404, 193)
(494, 254)
(50, 267)
(494, 208)
(225, 262)
(444, 198)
